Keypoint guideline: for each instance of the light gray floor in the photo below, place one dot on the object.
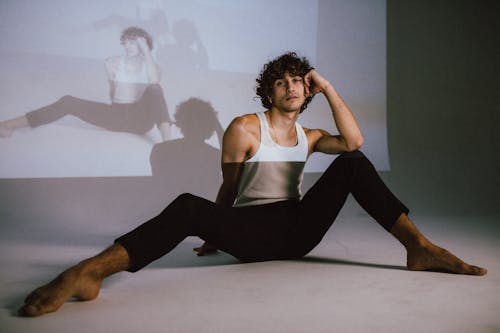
(355, 281)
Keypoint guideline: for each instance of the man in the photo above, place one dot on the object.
(259, 214)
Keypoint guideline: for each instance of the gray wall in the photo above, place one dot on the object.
(443, 104)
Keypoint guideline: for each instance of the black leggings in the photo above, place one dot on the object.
(136, 118)
(282, 230)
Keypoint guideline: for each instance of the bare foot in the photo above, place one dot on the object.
(5, 130)
(430, 257)
(7, 127)
(77, 282)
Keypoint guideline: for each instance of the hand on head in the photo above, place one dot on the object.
(143, 44)
(314, 83)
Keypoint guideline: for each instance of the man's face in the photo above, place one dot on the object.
(131, 47)
(288, 93)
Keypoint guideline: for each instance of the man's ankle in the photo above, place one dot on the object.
(407, 234)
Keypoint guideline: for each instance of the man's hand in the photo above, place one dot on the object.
(143, 45)
(314, 83)
(205, 249)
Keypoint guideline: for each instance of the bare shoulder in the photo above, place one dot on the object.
(245, 124)
(241, 138)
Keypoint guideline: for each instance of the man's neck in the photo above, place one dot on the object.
(282, 121)
(282, 126)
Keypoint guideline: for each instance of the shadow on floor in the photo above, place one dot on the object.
(323, 260)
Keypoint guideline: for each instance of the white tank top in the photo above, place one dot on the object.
(122, 75)
(275, 172)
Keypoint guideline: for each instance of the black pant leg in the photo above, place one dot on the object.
(349, 173)
(153, 105)
(95, 113)
(249, 233)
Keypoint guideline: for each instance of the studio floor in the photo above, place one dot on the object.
(355, 281)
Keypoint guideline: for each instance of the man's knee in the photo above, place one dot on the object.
(184, 200)
(354, 157)
(154, 90)
(352, 161)
(352, 154)
(66, 102)
(187, 204)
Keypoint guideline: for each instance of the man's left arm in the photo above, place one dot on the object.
(350, 137)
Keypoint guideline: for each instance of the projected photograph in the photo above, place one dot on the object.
(130, 88)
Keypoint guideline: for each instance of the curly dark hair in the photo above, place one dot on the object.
(276, 69)
(133, 33)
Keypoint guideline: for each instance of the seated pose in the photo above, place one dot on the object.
(259, 213)
(137, 98)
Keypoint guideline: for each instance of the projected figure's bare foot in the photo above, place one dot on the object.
(5, 130)
(82, 282)
(77, 282)
(423, 255)
(433, 258)
(7, 127)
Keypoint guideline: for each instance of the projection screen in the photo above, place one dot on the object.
(209, 52)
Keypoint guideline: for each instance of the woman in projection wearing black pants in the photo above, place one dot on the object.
(137, 101)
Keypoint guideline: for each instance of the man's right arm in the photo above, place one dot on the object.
(236, 147)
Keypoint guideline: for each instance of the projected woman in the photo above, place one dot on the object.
(137, 101)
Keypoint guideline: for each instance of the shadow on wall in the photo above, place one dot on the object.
(102, 208)
(177, 48)
(156, 23)
(189, 164)
(187, 52)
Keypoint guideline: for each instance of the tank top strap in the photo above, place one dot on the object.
(301, 135)
(265, 136)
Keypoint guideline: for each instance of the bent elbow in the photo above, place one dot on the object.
(355, 144)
